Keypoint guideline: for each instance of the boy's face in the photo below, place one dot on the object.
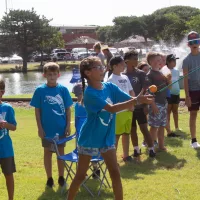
(194, 46)
(119, 67)
(51, 76)
(133, 61)
(156, 62)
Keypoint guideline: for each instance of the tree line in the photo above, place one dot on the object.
(168, 24)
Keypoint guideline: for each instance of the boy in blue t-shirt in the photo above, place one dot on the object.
(52, 103)
(7, 122)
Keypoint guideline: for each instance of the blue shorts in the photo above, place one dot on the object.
(159, 119)
(93, 151)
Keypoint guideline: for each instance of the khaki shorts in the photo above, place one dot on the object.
(8, 165)
(123, 122)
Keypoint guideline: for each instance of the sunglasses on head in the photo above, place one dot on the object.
(194, 42)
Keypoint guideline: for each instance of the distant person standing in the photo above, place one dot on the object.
(121, 53)
(100, 55)
(108, 56)
(192, 83)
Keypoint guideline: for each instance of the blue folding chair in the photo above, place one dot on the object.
(72, 158)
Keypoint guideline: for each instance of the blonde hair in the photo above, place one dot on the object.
(151, 55)
(52, 67)
(97, 46)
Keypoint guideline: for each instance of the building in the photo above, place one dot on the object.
(70, 33)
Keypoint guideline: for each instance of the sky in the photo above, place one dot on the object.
(91, 12)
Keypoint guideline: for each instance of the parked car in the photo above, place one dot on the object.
(76, 51)
(60, 54)
(82, 55)
(38, 57)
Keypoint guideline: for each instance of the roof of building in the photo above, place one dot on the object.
(83, 40)
(135, 39)
(75, 27)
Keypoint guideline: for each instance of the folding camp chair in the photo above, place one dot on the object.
(72, 158)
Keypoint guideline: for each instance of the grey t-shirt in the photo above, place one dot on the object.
(102, 58)
(138, 80)
(158, 79)
(190, 63)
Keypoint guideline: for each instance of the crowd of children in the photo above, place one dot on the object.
(108, 110)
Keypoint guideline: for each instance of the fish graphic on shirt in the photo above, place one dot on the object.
(111, 115)
(56, 100)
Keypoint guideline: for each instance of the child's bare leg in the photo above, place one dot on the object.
(117, 140)
(125, 145)
(134, 136)
(169, 109)
(60, 162)
(147, 137)
(111, 163)
(48, 162)
(193, 117)
(161, 137)
(10, 185)
(175, 115)
(153, 133)
(83, 164)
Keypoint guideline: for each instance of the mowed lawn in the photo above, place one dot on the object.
(172, 175)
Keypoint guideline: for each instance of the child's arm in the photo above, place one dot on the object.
(41, 132)
(68, 118)
(5, 124)
(132, 93)
(129, 104)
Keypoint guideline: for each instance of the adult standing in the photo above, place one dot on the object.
(100, 55)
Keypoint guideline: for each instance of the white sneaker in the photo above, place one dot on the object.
(195, 145)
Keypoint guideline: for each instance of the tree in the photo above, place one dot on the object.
(194, 24)
(26, 31)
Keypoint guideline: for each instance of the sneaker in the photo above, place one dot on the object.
(179, 130)
(128, 159)
(136, 153)
(50, 182)
(152, 153)
(172, 135)
(61, 181)
(96, 175)
(155, 143)
(144, 144)
(195, 145)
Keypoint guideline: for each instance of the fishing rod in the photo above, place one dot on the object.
(195, 69)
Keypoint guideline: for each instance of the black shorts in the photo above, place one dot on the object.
(174, 99)
(195, 100)
(8, 165)
(139, 116)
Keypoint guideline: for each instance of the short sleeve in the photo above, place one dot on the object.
(67, 98)
(11, 116)
(94, 103)
(36, 99)
(185, 63)
(118, 95)
(130, 88)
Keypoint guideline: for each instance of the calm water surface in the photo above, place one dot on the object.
(19, 83)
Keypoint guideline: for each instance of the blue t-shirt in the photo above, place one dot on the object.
(6, 113)
(52, 101)
(98, 131)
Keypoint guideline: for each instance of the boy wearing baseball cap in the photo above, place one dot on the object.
(192, 83)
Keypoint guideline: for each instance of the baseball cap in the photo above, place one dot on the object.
(116, 60)
(193, 36)
(171, 57)
(77, 89)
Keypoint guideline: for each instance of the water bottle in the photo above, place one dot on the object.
(56, 138)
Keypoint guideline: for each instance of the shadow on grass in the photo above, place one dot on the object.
(93, 185)
(163, 160)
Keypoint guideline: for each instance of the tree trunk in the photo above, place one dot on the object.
(42, 57)
(24, 68)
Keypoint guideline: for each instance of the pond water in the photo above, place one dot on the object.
(20, 83)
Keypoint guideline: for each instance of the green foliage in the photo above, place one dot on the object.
(194, 23)
(167, 24)
(23, 31)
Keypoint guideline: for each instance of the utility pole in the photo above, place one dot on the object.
(6, 3)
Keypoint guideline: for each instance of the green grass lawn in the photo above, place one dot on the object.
(173, 175)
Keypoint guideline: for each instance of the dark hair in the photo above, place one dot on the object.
(142, 65)
(115, 61)
(151, 55)
(130, 53)
(87, 64)
(51, 66)
(2, 84)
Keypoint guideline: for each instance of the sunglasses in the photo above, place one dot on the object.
(99, 67)
(194, 42)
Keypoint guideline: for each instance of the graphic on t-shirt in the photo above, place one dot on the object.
(110, 117)
(56, 100)
(135, 79)
(3, 132)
